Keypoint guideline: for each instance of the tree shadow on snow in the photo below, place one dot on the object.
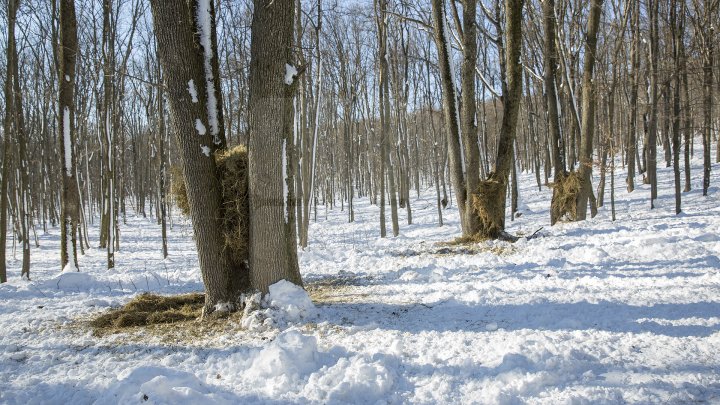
(454, 315)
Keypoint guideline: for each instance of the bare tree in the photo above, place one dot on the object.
(273, 78)
(70, 202)
(185, 34)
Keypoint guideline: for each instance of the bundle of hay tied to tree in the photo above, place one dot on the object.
(232, 165)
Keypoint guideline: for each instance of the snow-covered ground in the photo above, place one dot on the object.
(591, 312)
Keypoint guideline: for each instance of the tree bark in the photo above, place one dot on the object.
(588, 115)
(70, 201)
(631, 146)
(450, 111)
(183, 61)
(490, 199)
(272, 250)
(552, 102)
(651, 138)
(468, 112)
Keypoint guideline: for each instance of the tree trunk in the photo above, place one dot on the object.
(552, 102)
(677, 28)
(468, 111)
(490, 199)
(450, 111)
(651, 138)
(585, 194)
(631, 147)
(182, 47)
(70, 201)
(273, 253)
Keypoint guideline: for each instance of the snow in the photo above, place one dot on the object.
(204, 22)
(200, 127)
(292, 300)
(67, 142)
(593, 312)
(285, 179)
(290, 74)
(193, 91)
(159, 385)
(70, 266)
(205, 150)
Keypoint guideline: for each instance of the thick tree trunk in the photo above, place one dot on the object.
(70, 201)
(490, 200)
(181, 49)
(468, 111)
(273, 254)
(585, 194)
(552, 102)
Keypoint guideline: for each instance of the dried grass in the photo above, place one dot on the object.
(150, 309)
(488, 204)
(235, 209)
(564, 199)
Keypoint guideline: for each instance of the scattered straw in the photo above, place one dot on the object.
(150, 309)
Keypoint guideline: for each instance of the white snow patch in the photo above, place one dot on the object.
(159, 385)
(357, 379)
(224, 307)
(285, 180)
(200, 127)
(292, 300)
(70, 266)
(67, 141)
(281, 366)
(193, 91)
(290, 73)
(205, 150)
(205, 24)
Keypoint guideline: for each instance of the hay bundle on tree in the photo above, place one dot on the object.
(489, 206)
(564, 199)
(232, 174)
(178, 190)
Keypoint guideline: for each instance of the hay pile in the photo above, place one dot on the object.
(150, 309)
(488, 203)
(564, 199)
(232, 167)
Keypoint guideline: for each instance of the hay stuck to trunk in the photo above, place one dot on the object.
(150, 309)
(564, 199)
(232, 169)
(178, 190)
(235, 209)
(489, 204)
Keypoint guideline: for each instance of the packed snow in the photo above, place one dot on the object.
(193, 91)
(592, 312)
(290, 74)
(67, 141)
(200, 127)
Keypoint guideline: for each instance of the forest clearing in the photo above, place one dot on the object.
(592, 312)
(359, 202)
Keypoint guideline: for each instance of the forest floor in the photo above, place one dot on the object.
(592, 312)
